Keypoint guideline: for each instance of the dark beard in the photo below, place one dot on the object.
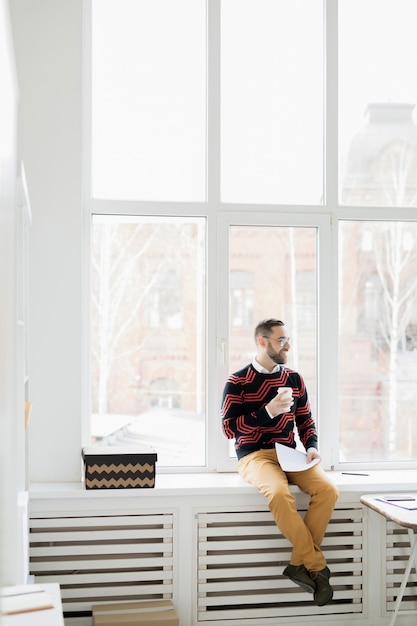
(276, 357)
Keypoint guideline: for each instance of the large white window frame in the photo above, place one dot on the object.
(220, 216)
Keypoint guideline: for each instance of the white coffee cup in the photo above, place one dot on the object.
(285, 394)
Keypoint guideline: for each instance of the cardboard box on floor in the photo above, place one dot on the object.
(152, 613)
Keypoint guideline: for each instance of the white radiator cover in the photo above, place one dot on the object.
(241, 556)
(221, 564)
(103, 558)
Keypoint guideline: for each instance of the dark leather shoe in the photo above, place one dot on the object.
(323, 592)
(299, 575)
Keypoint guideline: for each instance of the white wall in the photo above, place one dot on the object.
(9, 410)
(48, 48)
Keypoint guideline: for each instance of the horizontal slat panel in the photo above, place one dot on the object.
(285, 597)
(407, 604)
(224, 517)
(108, 520)
(238, 558)
(270, 529)
(243, 615)
(397, 554)
(239, 545)
(76, 535)
(251, 572)
(256, 570)
(270, 543)
(135, 591)
(110, 548)
(395, 577)
(269, 556)
(253, 583)
(105, 563)
(105, 577)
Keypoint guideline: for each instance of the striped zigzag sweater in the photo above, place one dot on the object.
(245, 419)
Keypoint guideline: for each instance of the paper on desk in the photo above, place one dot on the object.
(410, 505)
(24, 599)
(292, 460)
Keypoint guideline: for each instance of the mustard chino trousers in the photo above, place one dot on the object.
(261, 469)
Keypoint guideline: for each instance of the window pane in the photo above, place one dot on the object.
(378, 96)
(378, 341)
(276, 280)
(272, 101)
(148, 335)
(149, 99)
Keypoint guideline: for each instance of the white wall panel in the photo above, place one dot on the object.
(48, 46)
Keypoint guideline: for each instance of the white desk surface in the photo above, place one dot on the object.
(44, 617)
(402, 517)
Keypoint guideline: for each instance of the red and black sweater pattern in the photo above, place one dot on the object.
(245, 419)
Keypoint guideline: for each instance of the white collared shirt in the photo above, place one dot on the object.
(262, 370)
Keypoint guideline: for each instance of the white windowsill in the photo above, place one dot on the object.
(376, 481)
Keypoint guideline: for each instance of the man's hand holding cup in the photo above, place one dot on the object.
(282, 402)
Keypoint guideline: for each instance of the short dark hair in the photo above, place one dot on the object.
(265, 327)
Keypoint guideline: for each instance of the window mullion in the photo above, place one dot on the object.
(213, 102)
(331, 176)
(327, 251)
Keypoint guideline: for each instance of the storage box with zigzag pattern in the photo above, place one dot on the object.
(119, 467)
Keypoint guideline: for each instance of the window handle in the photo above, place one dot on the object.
(223, 349)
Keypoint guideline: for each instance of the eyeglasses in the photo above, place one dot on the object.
(281, 340)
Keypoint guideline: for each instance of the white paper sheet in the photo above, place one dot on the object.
(24, 599)
(408, 502)
(293, 460)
